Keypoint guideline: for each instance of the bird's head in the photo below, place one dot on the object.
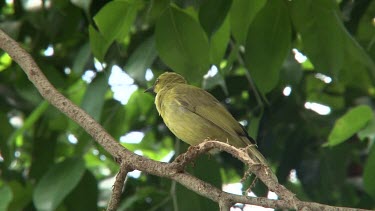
(166, 80)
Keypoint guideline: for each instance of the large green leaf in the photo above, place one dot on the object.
(81, 59)
(331, 181)
(93, 99)
(208, 170)
(369, 172)
(358, 65)
(6, 196)
(140, 60)
(349, 124)
(114, 22)
(57, 183)
(156, 9)
(42, 159)
(242, 13)
(26, 90)
(268, 44)
(140, 106)
(212, 14)
(113, 118)
(182, 44)
(98, 44)
(365, 36)
(318, 23)
(22, 195)
(219, 43)
(116, 18)
(78, 201)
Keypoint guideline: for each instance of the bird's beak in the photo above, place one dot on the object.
(151, 90)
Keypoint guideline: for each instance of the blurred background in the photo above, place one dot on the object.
(299, 75)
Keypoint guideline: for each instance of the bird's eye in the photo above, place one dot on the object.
(157, 81)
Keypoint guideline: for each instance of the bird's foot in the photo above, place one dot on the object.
(258, 166)
(180, 158)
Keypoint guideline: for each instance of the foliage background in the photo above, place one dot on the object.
(47, 162)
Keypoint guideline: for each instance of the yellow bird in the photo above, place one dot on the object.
(194, 115)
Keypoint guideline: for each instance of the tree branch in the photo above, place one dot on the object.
(261, 171)
(114, 202)
(172, 170)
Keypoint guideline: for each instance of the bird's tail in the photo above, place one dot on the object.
(259, 158)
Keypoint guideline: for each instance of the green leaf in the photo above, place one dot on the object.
(254, 124)
(83, 4)
(5, 61)
(212, 14)
(156, 9)
(22, 195)
(93, 99)
(57, 183)
(219, 43)
(242, 14)
(6, 196)
(113, 118)
(141, 59)
(369, 172)
(53, 75)
(88, 201)
(368, 131)
(326, 94)
(153, 148)
(208, 170)
(325, 29)
(136, 200)
(56, 119)
(76, 91)
(98, 44)
(182, 44)
(349, 124)
(329, 180)
(138, 108)
(115, 19)
(356, 58)
(27, 90)
(81, 59)
(268, 44)
(42, 159)
(30, 120)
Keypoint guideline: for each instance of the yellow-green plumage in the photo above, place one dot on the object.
(194, 115)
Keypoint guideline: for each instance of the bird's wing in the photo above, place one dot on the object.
(209, 108)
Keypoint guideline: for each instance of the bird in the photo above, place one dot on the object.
(194, 115)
